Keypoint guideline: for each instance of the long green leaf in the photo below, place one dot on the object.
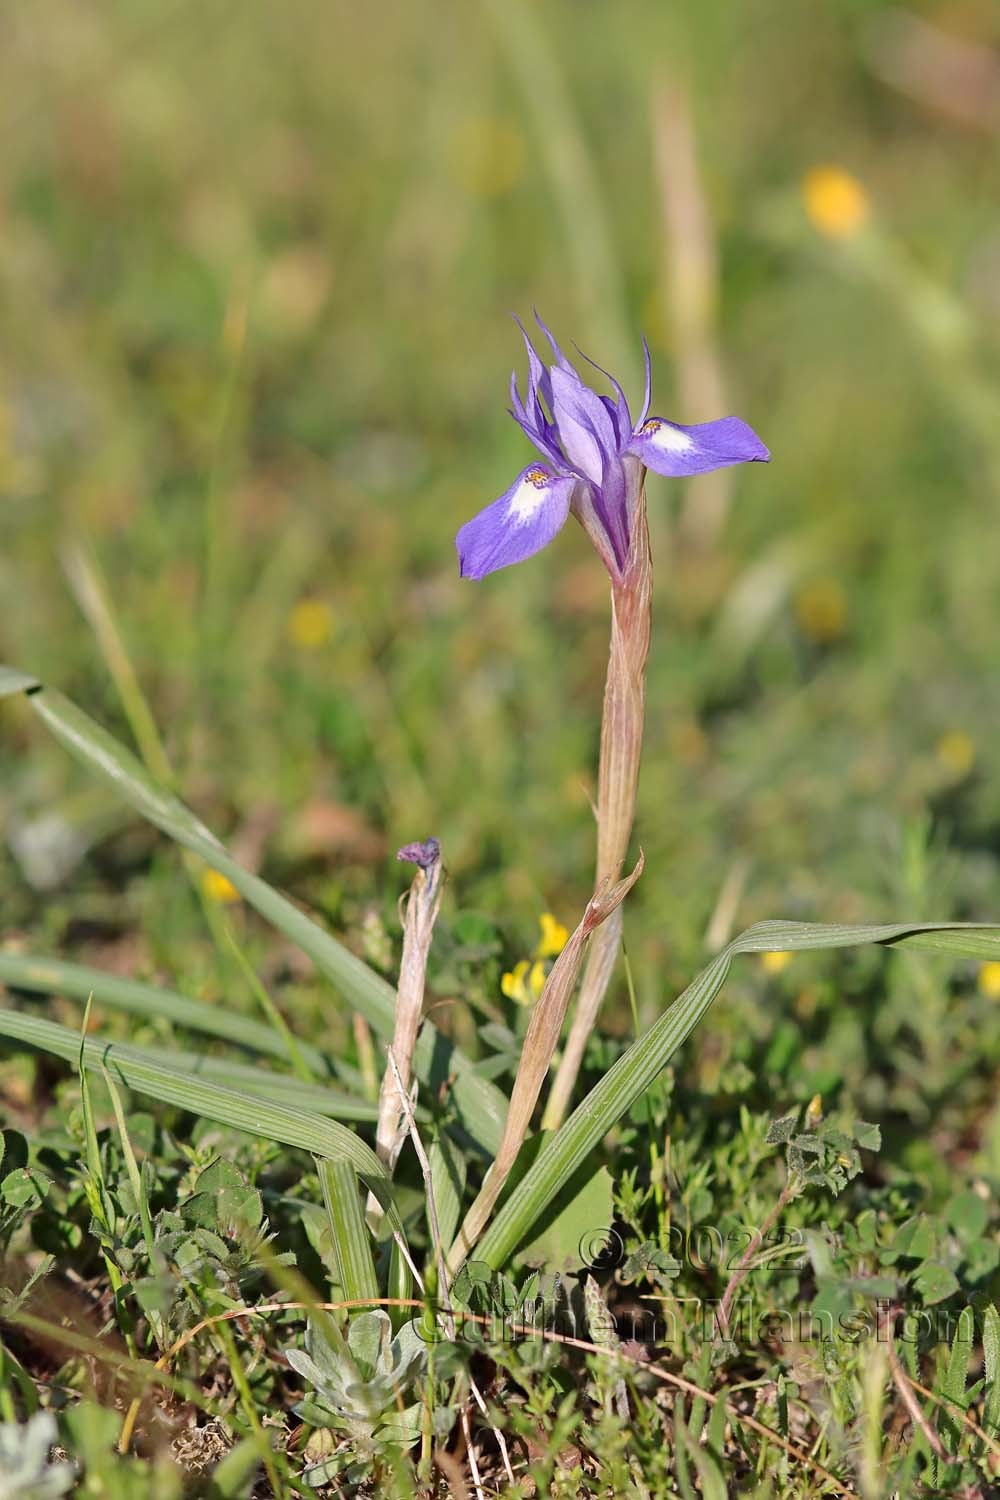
(46, 976)
(253, 1080)
(352, 1241)
(636, 1069)
(955, 1374)
(257, 1116)
(481, 1107)
(991, 1368)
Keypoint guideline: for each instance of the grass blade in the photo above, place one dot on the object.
(12, 681)
(636, 1069)
(481, 1107)
(91, 594)
(261, 1117)
(49, 976)
(991, 1368)
(350, 1235)
(259, 990)
(955, 1374)
(253, 1080)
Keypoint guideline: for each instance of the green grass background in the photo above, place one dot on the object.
(257, 266)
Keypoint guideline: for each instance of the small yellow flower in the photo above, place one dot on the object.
(836, 202)
(957, 752)
(814, 1111)
(989, 979)
(821, 610)
(776, 962)
(218, 888)
(554, 936)
(310, 624)
(525, 982)
(512, 984)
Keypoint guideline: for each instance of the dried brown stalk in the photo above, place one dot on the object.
(540, 1042)
(422, 904)
(618, 780)
(690, 281)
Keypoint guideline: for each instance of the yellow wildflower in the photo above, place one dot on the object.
(218, 888)
(989, 979)
(554, 936)
(836, 202)
(814, 1112)
(525, 982)
(776, 962)
(821, 610)
(956, 752)
(310, 624)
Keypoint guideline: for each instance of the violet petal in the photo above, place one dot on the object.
(649, 385)
(617, 410)
(523, 521)
(586, 432)
(674, 450)
(560, 357)
(425, 853)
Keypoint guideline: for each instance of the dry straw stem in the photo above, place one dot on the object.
(540, 1043)
(690, 282)
(422, 905)
(618, 780)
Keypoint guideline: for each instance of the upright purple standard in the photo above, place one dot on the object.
(595, 465)
(595, 459)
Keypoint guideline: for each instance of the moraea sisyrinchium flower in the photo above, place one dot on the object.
(595, 458)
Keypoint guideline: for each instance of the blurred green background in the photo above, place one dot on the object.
(257, 267)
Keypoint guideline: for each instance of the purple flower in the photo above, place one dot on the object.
(595, 458)
(425, 853)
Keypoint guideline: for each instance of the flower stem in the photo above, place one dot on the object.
(536, 1054)
(618, 780)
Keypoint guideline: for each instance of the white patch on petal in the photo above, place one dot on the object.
(662, 435)
(529, 497)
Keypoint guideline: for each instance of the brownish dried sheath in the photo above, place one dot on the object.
(540, 1042)
(422, 903)
(618, 780)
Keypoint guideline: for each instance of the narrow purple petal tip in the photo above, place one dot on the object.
(424, 853)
